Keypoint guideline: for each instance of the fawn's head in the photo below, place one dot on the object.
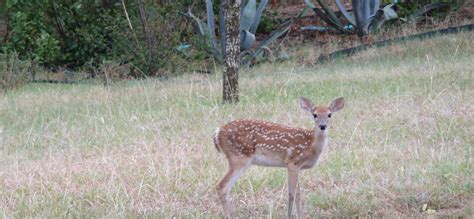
(322, 114)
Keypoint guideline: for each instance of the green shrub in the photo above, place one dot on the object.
(266, 25)
(405, 9)
(83, 33)
(61, 32)
(152, 48)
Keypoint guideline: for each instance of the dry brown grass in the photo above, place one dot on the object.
(144, 148)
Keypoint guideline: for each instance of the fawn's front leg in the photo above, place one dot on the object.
(293, 190)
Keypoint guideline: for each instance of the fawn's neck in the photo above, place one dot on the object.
(320, 139)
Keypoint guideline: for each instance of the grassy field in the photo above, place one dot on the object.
(402, 147)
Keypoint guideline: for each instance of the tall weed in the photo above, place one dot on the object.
(13, 71)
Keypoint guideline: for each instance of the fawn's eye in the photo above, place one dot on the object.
(315, 116)
(329, 115)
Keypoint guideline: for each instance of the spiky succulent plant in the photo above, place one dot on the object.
(366, 15)
(250, 15)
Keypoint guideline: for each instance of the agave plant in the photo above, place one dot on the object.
(366, 16)
(250, 15)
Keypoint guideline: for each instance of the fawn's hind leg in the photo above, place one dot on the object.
(236, 168)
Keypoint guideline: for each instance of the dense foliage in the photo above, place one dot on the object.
(153, 38)
(88, 33)
(61, 32)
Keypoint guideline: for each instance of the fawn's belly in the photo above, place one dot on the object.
(268, 161)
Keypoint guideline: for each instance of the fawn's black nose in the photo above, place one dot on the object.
(322, 127)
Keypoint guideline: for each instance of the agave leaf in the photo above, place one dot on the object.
(258, 15)
(248, 55)
(248, 15)
(319, 12)
(284, 27)
(382, 15)
(362, 14)
(204, 31)
(389, 12)
(330, 12)
(246, 39)
(413, 17)
(348, 27)
(301, 14)
(210, 23)
(273, 36)
(326, 17)
(315, 28)
(374, 6)
(243, 3)
(310, 4)
(346, 14)
(323, 16)
(247, 52)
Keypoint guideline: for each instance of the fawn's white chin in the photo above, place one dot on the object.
(322, 132)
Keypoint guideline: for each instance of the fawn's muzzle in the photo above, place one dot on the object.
(322, 127)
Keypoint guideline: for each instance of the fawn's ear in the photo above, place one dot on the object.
(306, 104)
(337, 104)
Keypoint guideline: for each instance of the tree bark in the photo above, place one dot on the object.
(232, 51)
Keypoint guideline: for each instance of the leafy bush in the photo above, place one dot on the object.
(436, 8)
(84, 33)
(158, 31)
(61, 32)
(266, 25)
(3, 21)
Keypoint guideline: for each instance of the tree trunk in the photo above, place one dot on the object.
(232, 51)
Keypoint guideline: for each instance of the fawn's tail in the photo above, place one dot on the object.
(216, 139)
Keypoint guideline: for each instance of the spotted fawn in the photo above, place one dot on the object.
(254, 142)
